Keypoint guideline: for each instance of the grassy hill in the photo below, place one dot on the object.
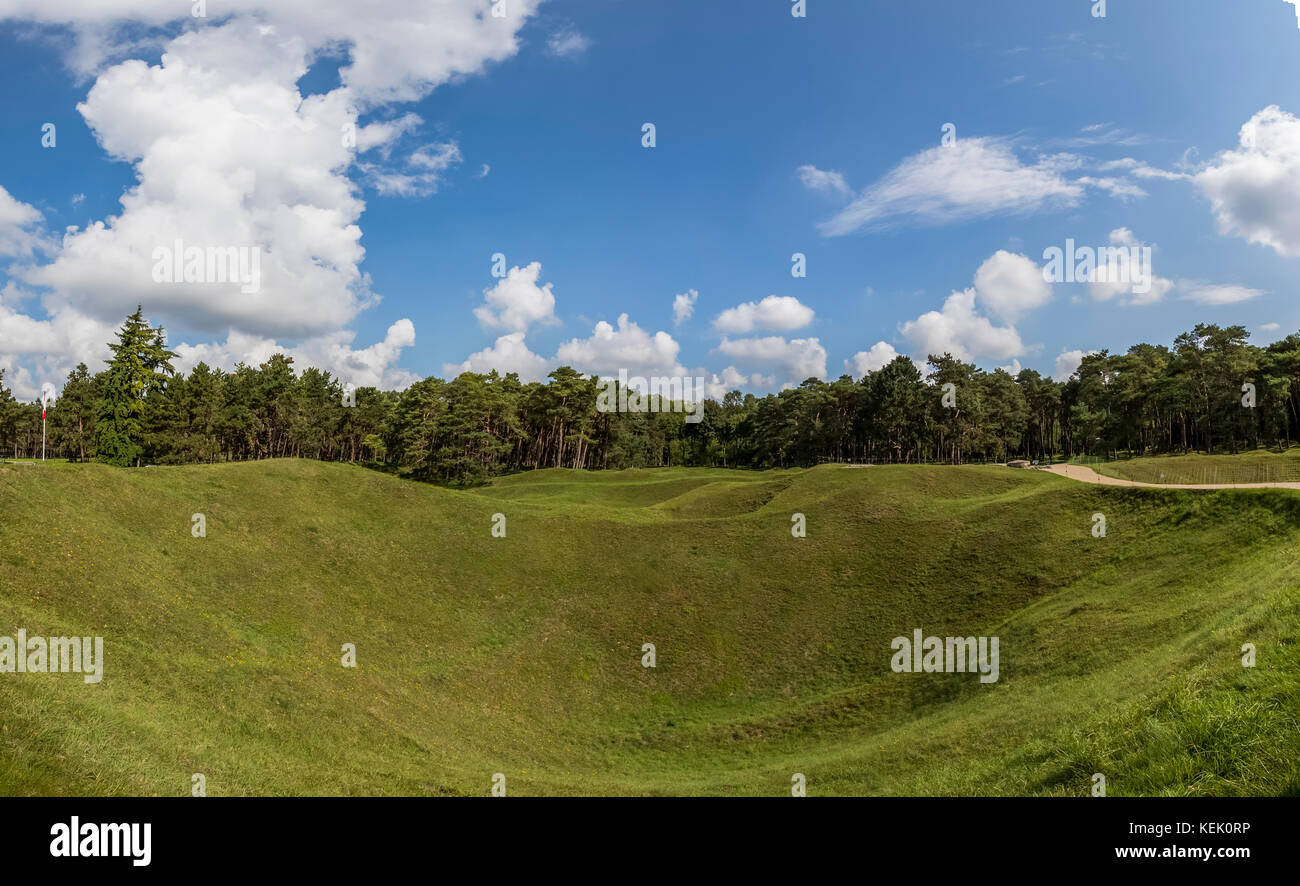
(522, 655)
(1246, 467)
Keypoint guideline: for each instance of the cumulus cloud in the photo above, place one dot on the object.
(881, 355)
(972, 178)
(372, 366)
(516, 302)
(627, 346)
(1007, 286)
(21, 227)
(227, 156)
(1067, 362)
(1011, 285)
(959, 329)
(508, 354)
(228, 152)
(717, 386)
(779, 313)
(398, 50)
(1114, 276)
(50, 347)
(794, 360)
(684, 306)
(1254, 190)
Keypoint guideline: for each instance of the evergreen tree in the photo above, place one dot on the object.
(141, 363)
(72, 418)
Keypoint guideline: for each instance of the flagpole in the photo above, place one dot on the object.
(45, 408)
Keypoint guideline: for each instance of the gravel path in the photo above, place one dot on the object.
(1088, 475)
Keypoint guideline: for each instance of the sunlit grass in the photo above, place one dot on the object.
(522, 655)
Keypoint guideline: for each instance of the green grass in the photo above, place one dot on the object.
(1247, 467)
(521, 655)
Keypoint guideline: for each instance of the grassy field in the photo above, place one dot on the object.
(522, 655)
(1247, 467)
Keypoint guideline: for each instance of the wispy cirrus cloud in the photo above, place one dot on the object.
(972, 178)
(1215, 293)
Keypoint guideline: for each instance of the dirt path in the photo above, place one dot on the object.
(1088, 475)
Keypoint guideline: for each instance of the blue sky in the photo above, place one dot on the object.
(522, 135)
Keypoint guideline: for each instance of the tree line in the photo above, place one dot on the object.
(1211, 391)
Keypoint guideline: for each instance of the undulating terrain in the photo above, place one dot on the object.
(522, 655)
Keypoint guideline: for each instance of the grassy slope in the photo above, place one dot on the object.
(522, 655)
(1247, 467)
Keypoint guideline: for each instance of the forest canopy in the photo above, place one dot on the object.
(1211, 391)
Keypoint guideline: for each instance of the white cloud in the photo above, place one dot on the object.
(794, 360)
(508, 354)
(398, 50)
(1011, 285)
(1269, 327)
(684, 306)
(1255, 190)
(226, 156)
(381, 134)
(1067, 362)
(1139, 169)
(421, 175)
(609, 349)
(567, 42)
(972, 178)
(49, 347)
(1113, 278)
(779, 313)
(880, 356)
(516, 302)
(1105, 134)
(20, 227)
(718, 386)
(960, 330)
(1006, 285)
(372, 366)
(1119, 188)
(1216, 294)
(227, 151)
(824, 181)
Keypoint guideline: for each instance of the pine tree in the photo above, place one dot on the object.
(72, 420)
(140, 363)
